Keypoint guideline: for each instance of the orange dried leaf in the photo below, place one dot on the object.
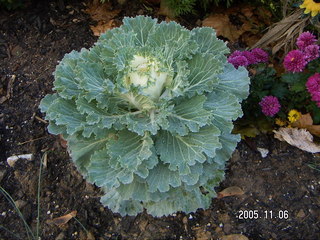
(304, 121)
(59, 221)
(314, 129)
(221, 23)
(103, 14)
(230, 191)
(62, 141)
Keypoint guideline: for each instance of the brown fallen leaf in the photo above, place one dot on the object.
(230, 191)
(300, 138)
(63, 143)
(59, 221)
(305, 121)
(221, 23)
(234, 237)
(103, 14)
(314, 129)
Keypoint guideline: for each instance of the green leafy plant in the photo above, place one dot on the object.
(180, 7)
(147, 113)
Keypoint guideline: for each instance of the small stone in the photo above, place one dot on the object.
(301, 214)
(13, 159)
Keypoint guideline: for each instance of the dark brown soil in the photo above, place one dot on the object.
(32, 41)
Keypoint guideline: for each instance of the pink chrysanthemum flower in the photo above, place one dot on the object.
(295, 61)
(313, 86)
(312, 52)
(313, 83)
(250, 57)
(270, 105)
(305, 39)
(316, 97)
(260, 55)
(238, 61)
(236, 53)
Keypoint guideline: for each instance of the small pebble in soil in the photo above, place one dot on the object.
(3, 214)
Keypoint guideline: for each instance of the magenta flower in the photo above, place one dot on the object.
(260, 55)
(270, 105)
(313, 83)
(313, 86)
(238, 61)
(250, 57)
(311, 52)
(305, 39)
(295, 61)
(316, 97)
(236, 53)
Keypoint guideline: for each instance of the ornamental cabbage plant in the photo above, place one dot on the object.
(148, 113)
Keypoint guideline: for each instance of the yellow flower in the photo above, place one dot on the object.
(280, 122)
(312, 6)
(294, 115)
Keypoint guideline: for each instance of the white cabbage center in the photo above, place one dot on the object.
(145, 72)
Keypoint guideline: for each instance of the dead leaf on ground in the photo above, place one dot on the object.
(305, 121)
(241, 23)
(103, 15)
(230, 191)
(300, 138)
(234, 237)
(283, 33)
(59, 221)
(221, 23)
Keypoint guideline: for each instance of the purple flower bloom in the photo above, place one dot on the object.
(313, 86)
(295, 61)
(270, 105)
(312, 52)
(238, 61)
(316, 97)
(236, 53)
(313, 83)
(305, 39)
(250, 57)
(260, 55)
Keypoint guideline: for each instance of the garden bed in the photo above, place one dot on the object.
(280, 187)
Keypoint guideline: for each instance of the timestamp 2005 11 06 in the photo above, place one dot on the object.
(266, 214)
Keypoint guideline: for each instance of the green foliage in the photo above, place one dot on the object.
(289, 88)
(180, 7)
(11, 4)
(147, 113)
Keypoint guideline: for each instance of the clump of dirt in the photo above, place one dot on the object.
(280, 187)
